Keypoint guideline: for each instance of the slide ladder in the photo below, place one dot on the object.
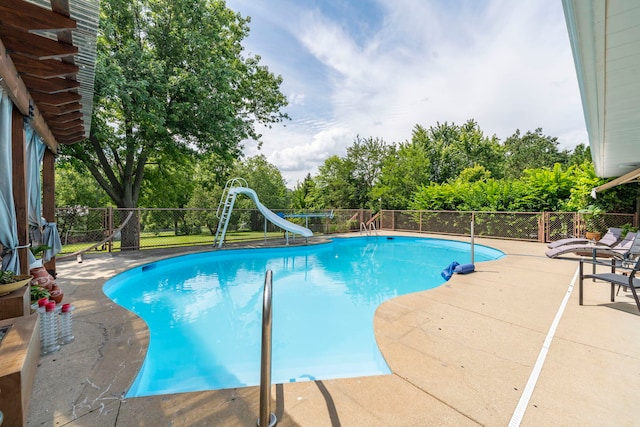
(227, 200)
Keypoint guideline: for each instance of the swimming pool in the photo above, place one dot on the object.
(204, 310)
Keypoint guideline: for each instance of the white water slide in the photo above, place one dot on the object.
(271, 216)
(226, 203)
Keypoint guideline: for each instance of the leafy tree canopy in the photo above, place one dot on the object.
(304, 195)
(265, 179)
(532, 150)
(75, 187)
(171, 77)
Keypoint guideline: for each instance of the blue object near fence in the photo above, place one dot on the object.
(448, 272)
(465, 268)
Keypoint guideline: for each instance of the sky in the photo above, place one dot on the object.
(377, 69)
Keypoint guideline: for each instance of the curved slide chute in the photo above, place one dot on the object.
(270, 215)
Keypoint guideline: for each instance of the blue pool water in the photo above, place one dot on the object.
(204, 310)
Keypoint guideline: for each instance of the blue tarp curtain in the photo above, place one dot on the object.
(35, 152)
(8, 224)
(42, 232)
(51, 238)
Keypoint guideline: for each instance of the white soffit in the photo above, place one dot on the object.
(605, 40)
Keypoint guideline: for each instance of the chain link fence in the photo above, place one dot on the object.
(97, 229)
(531, 226)
(503, 225)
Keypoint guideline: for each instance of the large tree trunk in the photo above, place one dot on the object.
(121, 181)
(130, 235)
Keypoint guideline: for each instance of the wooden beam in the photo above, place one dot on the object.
(61, 98)
(28, 16)
(60, 6)
(50, 86)
(49, 198)
(71, 131)
(73, 123)
(19, 94)
(60, 110)
(58, 120)
(73, 140)
(19, 179)
(72, 137)
(45, 68)
(35, 46)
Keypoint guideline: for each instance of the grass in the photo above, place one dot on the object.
(169, 238)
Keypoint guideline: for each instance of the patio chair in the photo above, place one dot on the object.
(628, 281)
(610, 238)
(620, 250)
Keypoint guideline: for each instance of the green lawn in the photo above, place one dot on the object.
(168, 238)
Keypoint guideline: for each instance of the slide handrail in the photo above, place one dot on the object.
(265, 358)
(227, 187)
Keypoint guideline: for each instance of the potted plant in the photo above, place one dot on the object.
(38, 293)
(10, 282)
(592, 217)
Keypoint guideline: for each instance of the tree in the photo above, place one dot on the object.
(404, 170)
(76, 188)
(533, 150)
(265, 179)
(168, 181)
(348, 182)
(366, 155)
(547, 189)
(334, 184)
(452, 148)
(304, 194)
(171, 76)
(209, 177)
(580, 155)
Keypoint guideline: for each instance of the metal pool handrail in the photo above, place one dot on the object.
(265, 363)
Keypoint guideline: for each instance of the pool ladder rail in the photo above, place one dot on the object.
(265, 359)
(369, 230)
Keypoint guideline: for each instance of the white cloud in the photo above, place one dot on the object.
(296, 99)
(508, 65)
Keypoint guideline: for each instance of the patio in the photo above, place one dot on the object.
(460, 354)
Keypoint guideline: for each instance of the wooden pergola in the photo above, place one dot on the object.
(47, 58)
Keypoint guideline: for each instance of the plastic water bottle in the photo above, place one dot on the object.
(42, 308)
(66, 324)
(50, 344)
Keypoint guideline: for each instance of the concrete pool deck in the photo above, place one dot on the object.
(461, 354)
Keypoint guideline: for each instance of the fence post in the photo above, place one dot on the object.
(110, 228)
(473, 246)
(139, 236)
